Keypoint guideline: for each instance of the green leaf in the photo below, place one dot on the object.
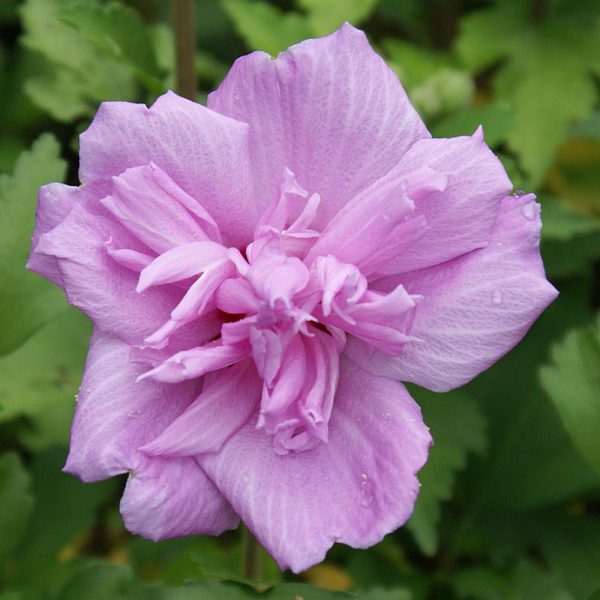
(387, 594)
(40, 379)
(265, 27)
(434, 80)
(384, 564)
(458, 429)
(118, 31)
(550, 89)
(325, 17)
(65, 511)
(414, 64)
(481, 583)
(530, 581)
(15, 500)
(446, 91)
(210, 590)
(571, 544)
(285, 591)
(99, 581)
(573, 383)
(486, 36)
(532, 461)
(59, 92)
(590, 128)
(572, 257)
(26, 300)
(562, 223)
(497, 121)
(545, 77)
(74, 76)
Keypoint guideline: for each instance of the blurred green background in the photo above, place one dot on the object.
(510, 502)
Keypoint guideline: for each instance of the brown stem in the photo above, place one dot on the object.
(252, 565)
(184, 24)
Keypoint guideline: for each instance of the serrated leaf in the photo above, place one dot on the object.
(74, 76)
(16, 502)
(59, 92)
(325, 17)
(26, 300)
(532, 461)
(118, 31)
(568, 94)
(545, 76)
(265, 27)
(65, 511)
(458, 429)
(486, 36)
(43, 375)
(573, 383)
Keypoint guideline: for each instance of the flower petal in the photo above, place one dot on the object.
(459, 218)
(115, 415)
(180, 263)
(55, 202)
(228, 399)
(476, 307)
(149, 203)
(329, 109)
(172, 497)
(98, 284)
(354, 489)
(193, 363)
(205, 153)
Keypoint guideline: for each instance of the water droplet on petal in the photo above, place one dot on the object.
(236, 97)
(520, 193)
(497, 297)
(529, 210)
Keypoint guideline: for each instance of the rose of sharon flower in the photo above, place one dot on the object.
(262, 274)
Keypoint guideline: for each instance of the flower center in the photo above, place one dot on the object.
(291, 299)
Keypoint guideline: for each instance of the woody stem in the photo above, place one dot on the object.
(184, 24)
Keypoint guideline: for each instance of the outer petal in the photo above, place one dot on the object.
(354, 489)
(97, 284)
(55, 201)
(115, 415)
(329, 109)
(172, 497)
(459, 218)
(205, 153)
(476, 307)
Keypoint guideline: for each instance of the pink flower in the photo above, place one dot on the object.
(262, 274)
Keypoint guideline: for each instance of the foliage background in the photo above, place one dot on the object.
(510, 503)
